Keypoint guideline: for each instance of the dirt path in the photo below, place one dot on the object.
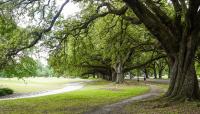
(72, 86)
(118, 107)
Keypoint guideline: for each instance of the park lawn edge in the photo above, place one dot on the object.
(72, 102)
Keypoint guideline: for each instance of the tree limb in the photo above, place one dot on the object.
(143, 64)
(39, 34)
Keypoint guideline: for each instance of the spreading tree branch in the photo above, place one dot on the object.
(38, 34)
(143, 64)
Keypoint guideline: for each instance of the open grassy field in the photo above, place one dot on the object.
(31, 84)
(163, 107)
(93, 95)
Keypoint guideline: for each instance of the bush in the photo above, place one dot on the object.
(5, 91)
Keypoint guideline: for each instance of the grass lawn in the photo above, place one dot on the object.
(163, 107)
(93, 95)
(34, 84)
(160, 106)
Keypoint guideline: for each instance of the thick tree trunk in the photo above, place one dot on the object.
(98, 75)
(146, 73)
(160, 73)
(169, 70)
(114, 75)
(103, 77)
(120, 78)
(109, 77)
(131, 76)
(94, 76)
(179, 38)
(183, 81)
(120, 75)
(154, 71)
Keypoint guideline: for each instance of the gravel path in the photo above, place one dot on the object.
(117, 108)
(72, 86)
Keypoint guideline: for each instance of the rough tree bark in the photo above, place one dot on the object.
(179, 37)
(160, 71)
(154, 71)
(146, 72)
(161, 66)
(131, 76)
(169, 65)
(114, 75)
(183, 81)
(120, 74)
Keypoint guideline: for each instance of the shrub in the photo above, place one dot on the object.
(5, 91)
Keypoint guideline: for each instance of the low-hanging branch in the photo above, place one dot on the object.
(96, 71)
(135, 66)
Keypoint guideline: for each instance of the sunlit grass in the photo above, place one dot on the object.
(94, 94)
(34, 84)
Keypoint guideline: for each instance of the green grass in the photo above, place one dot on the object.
(34, 84)
(95, 94)
(160, 105)
(163, 107)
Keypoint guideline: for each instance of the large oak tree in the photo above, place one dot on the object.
(177, 30)
(179, 36)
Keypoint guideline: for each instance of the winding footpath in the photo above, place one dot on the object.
(107, 109)
(117, 108)
(72, 86)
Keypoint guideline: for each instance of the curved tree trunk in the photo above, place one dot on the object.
(179, 37)
(183, 81)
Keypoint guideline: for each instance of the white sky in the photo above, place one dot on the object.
(69, 9)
